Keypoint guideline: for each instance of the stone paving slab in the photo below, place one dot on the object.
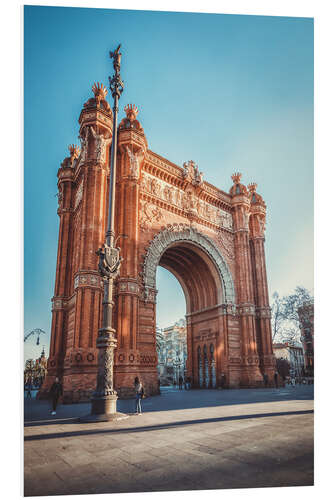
(254, 443)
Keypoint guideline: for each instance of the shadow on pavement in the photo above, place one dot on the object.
(36, 412)
(162, 426)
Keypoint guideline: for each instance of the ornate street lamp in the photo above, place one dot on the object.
(104, 400)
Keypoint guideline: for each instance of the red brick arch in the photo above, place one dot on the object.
(211, 240)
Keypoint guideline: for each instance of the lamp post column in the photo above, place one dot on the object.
(104, 400)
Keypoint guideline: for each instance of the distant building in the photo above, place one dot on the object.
(306, 318)
(172, 352)
(35, 370)
(293, 353)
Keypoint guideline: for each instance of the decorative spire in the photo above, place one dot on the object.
(252, 187)
(236, 177)
(131, 112)
(74, 151)
(100, 92)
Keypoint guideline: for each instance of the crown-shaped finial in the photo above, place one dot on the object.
(100, 91)
(131, 112)
(74, 151)
(236, 177)
(252, 187)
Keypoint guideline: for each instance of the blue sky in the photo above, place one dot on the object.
(233, 93)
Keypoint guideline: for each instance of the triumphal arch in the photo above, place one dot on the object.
(166, 215)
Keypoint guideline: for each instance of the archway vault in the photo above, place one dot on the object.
(196, 262)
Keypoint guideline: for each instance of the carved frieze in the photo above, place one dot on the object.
(149, 214)
(187, 201)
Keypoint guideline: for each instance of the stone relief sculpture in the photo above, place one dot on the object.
(227, 243)
(134, 163)
(192, 174)
(188, 201)
(149, 214)
(155, 187)
(101, 144)
(84, 145)
(225, 219)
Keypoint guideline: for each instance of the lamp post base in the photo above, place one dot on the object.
(104, 409)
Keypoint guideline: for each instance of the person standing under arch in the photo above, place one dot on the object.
(138, 387)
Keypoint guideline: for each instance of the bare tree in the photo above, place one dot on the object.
(277, 317)
(285, 318)
(291, 304)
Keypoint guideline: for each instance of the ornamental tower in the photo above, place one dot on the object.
(257, 224)
(76, 310)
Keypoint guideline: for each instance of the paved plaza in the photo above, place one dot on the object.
(185, 440)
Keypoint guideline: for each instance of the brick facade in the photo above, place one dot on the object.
(212, 241)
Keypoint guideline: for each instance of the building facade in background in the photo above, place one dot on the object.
(211, 240)
(35, 370)
(293, 353)
(172, 353)
(306, 318)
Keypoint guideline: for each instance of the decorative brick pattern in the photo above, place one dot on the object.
(212, 240)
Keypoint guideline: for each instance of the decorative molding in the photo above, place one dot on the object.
(246, 309)
(263, 312)
(58, 303)
(127, 286)
(86, 279)
(183, 232)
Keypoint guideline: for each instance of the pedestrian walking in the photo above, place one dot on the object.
(180, 382)
(29, 387)
(139, 391)
(276, 379)
(265, 379)
(55, 392)
(293, 381)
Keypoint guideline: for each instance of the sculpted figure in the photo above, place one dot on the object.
(101, 144)
(84, 145)
(155, 187)
(134, 163)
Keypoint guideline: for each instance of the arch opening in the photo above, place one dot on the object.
(207, 285)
